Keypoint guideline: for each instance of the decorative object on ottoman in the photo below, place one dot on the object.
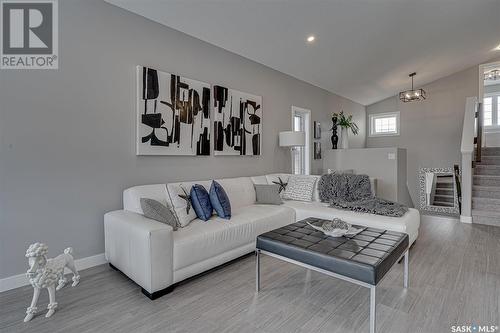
(45, 273)
(335, 137)
(345, 123)
(336, 228)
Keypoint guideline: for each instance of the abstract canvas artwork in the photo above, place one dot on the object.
(317, 150)
(317, 130)
(173, 114)
(237, 122)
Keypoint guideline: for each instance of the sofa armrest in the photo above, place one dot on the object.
(140, 247)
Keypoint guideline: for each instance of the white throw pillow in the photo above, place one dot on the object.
(300, 188)
(181, 201)
(279, 179)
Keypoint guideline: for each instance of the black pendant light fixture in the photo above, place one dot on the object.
(413, 94)
(492, 75)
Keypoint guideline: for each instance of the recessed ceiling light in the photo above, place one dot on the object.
(311, 39)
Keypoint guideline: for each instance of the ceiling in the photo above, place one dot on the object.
(364, 49)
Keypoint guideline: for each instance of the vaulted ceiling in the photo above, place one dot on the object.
(364, 49)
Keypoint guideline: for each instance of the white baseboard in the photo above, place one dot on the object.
(465, 219)
(438, 218)
(20, 280)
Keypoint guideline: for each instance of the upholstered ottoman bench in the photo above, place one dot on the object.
(363, 259)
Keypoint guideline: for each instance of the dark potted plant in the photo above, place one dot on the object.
(345, 122)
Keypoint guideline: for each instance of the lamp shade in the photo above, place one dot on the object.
(292, 139)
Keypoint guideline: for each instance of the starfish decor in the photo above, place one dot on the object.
(186, 197)
(281, 184)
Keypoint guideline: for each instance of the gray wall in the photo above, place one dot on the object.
(386, 165)
(431, 130)
(336, 104)
(67, 146)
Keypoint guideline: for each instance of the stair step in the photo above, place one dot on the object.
(444, 185)
(487, 169)
(486, 217)
(490, 151)
(443, 204)
(486, 180)
(485, 192)
(486, 204)
(444, 191)
(489, 160)
(443, 198)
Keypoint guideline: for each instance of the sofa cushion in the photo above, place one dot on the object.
(300, 188)
(157, 211)
(239, 190)
(408, 223)
(268, 194)
(200, 200)
(202, 240)
(278, 178)
(275, 178)
(259, 179)
(220, 201)
(132, 196)
(179, 195)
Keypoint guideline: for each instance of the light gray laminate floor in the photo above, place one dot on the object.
(454, 279)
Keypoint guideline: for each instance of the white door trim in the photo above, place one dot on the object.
(307, 113)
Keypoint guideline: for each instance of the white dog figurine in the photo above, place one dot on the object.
(45, 273)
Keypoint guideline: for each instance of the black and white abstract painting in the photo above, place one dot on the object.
(317, 150)
(237, 122)
(173, 114)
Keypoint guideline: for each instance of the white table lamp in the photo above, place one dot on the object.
(292, 139)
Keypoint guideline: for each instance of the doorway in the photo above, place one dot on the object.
(301, 156)
(489, 93)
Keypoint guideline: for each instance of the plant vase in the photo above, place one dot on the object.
(344, 138)
(335, 137)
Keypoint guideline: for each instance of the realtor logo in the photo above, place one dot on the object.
(29, 34)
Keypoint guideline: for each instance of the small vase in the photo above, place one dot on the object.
(335, 137)
(344, 138)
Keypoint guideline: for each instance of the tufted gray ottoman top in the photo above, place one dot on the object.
(366, 257)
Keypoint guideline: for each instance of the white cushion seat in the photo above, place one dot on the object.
(202, 240)
(408, 223)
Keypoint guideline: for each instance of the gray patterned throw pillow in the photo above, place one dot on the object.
(300, 188)
(155, 210)
(268, 194)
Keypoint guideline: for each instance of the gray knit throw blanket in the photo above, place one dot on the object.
(353, 192)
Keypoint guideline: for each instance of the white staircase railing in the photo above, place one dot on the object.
(467, 150)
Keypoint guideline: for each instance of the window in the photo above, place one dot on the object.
(384, 124)
(301, 121)
(491, 110)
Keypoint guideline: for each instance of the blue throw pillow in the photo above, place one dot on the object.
(201, 202)
(220, 200)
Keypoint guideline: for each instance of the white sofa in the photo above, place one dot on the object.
(156, 257)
